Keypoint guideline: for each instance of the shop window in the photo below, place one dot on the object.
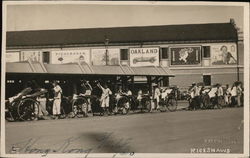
(207, 80)
(206, 51)
(164, 53)
(124, 54)
(46, 57)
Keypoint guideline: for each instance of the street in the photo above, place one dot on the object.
(217, 131)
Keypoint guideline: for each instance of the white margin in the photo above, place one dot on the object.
(180, 3)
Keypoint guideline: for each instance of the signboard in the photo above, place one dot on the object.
(32, 55)
(223, 54)
(144, 57)
(101, 57)
(12, 57)
(188, 55)
(70, 56)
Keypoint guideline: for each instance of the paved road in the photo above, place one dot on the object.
(168, 132)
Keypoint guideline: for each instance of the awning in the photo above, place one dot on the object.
(76, 68)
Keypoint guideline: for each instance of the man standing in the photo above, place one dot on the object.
(57, 99)
(105, 97)
(239, 94)
(157, 94)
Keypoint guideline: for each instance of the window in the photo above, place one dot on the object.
(164, 53)
(207, 80)
(124, 54)
(46, 57)
(206, 51)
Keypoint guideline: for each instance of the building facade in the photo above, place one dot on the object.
(208, 53)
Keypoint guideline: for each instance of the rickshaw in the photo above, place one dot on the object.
(80, 105)
(122, 104)
(168, 100)
(144, 105)
(23, 106)
(210, 98)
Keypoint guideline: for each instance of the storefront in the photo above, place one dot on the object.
(206, 53)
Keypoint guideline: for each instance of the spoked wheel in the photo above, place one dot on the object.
(27, 109)
(172, 104)
(79, 107)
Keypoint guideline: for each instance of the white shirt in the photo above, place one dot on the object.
(234, 91)
(58, 92)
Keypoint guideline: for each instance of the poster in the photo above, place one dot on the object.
(31, 55)
(12, 57)
(224, 54)
(70, 56)
(188, 55)
(144, 56)
(103, 57)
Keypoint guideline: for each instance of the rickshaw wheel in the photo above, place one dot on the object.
(172, 104)
(26, 109)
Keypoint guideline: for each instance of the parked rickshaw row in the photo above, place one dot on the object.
(34, 103)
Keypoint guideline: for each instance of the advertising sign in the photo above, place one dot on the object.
(144, 57)
(12, 57)
(188, 55)
(32, 55)
(101, 57)
(70, 56)
(223, 54)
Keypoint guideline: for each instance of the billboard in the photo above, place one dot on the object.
(70, 56)
(185, 55)
(101, 57)
(32, 55)
(12, 57)
(223, 54)
(144, 57)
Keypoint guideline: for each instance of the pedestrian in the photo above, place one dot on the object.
(228, 95)
(239, 94)
(234, 94)
(42, 99)
(195, 93)
(57, 100)
(157, 95)
(87, 91)
(105, 97)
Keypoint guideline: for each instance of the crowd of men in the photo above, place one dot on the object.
(232, 95)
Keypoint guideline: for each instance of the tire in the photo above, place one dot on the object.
(172, 104)
(26, 109)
